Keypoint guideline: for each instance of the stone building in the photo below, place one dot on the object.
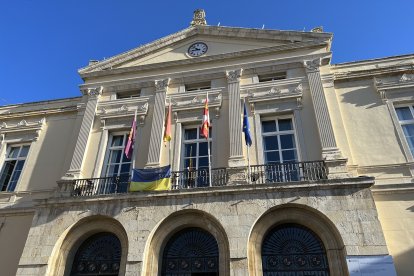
(325, 189)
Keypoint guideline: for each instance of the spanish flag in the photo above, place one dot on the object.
(154, 179)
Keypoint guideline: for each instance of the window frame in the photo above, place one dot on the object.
(273, 76)
(18, 158)
(198, 140)
(106, 165)
(401, 123)
(278, 133)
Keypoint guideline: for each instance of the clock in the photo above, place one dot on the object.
(197, 49)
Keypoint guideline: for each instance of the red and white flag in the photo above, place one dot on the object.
(206, 120)
(131, 139)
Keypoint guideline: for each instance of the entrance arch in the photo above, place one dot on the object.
(295, 250)
(171, 226)
(301, 216)
(191, 251)
(81, 233)
(100, 254)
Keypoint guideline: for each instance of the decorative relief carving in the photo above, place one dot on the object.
(234, 75)
(199, 18)
(275, 91)
(23, 125)
(312, 65)
(299, 103)
(407, 77)
(143, 108)
(123, 108)
(95, 91)
(183, 101)
(299, 88)
(161, 85)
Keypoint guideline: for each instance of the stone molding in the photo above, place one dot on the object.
(23, 125)
(93, 91)
(396, 90)
(281, 90)
(123, 108)
(195, 100)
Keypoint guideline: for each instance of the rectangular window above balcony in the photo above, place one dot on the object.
(128, 94)
(406, 118)
(13, 166)
(198, 86)
(272, 76)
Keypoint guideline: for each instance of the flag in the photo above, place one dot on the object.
(167, 132)
(206, 120)
(246, 127)
(131, 139)
(154, 179)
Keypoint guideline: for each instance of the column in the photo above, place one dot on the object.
(75, 169)
(235, 119)
(157, 127)
(326, 134)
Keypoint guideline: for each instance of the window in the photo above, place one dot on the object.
(272, 76)
(13, 166)
(128, 94)
(198, 86)
(195, 157)
(279, 148)
(406, 118)
(117, 163)
(117, 167)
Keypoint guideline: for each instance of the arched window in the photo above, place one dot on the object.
(189, 252)
(293, 250)
(99, 254)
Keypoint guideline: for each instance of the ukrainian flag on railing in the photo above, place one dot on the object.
(154, 179)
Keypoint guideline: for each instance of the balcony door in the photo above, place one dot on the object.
(195, 158)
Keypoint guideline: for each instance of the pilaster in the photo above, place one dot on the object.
(326, 134)
(75, 169)
(154, 153)
(330, 152)
(236, 158)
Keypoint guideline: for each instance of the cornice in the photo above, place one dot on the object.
(23, 126)
(404, 84)
(246, 53)
(39, 112)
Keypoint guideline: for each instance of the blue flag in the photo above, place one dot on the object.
(246, 127)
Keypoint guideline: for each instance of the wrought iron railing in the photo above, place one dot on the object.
(188, 179)
(198, 178)
(101, 186)
(288, 172)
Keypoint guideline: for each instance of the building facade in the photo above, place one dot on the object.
(326, 187)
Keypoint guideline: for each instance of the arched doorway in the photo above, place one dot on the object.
(100, 254)
(191, 252)
(294, 250)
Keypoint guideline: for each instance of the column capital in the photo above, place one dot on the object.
(312, 65)
(234, 75)
(95, 92)
(161, 85)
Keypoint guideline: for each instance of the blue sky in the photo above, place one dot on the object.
(44, 43)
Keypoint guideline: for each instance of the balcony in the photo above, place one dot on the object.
(197, 179)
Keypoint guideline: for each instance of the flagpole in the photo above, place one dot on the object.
(169, 143)
(248, 148)
(135, 147)
(208, 148)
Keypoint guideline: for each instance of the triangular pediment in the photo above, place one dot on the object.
(220, 41)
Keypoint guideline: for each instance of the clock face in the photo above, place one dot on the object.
(197, 49)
